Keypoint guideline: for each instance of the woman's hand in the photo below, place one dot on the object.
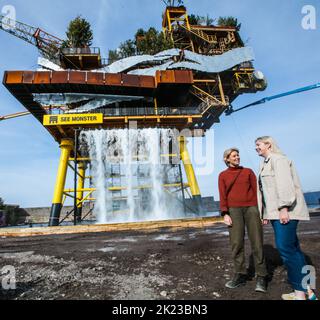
(284, 216)
(265, 222)
(227, 220)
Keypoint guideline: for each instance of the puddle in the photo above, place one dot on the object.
(111, 249)
(166, 237)
(128, 239)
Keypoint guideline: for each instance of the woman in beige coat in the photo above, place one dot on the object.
(281, 201)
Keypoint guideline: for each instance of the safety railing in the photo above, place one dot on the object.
(79, 51)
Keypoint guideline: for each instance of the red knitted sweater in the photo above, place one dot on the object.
(243, 192)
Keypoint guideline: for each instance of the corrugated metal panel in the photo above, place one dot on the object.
(193, 61)
(95, 78)
(59, 77)
(147, 82)
(28, 77)
(183, 76)
(42, 77)
(174, 76)
(77, 77)
(13, 77)
(165, 76)
(113, 79)
(130, 80)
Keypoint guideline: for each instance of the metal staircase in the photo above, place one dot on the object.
(212, 39)
(208, 101)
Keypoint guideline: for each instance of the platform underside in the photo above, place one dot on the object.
(162, 101)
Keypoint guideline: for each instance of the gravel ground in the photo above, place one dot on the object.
(163, 264)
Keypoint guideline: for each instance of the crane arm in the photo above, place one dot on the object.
(26, 113)
(277, 96)
(47, 44)
(14, 115)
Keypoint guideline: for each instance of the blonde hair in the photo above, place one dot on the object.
(274, 148)
(227, 153)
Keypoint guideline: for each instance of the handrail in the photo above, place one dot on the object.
(76, 51)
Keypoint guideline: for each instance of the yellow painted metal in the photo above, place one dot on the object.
(68, 195)
(128, 118)
(87, 197)
(81, 181)
(185, 157)
(66, 146)
(168, 155)
(171, 185)
(205, 80)
(72, 119)
(187, 21)
(155, 106)
(169, 21)
(221, 90)
(173, 18)
(242, 80)
(80, 159)
(62, 131)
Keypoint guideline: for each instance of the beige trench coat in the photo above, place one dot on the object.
(280, 188)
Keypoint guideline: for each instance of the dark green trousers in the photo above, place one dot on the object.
(247, 217)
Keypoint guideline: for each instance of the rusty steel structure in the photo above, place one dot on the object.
(179, 98)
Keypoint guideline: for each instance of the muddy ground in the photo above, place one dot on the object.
(163, 264)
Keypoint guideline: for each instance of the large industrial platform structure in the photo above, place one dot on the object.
(178, 98)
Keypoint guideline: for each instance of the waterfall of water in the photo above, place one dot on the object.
(142, 167)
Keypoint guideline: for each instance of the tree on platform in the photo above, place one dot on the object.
(79, 34)
(173, 3)
(229, 22)
(200, 20)
(144, 42)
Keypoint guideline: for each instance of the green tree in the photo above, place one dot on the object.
(203, 20)
(140, 39)
(173, 3)
(127, 49)
(2, 206)
(208, 21)
(229, 22)
(113, 56)
(193, 19)
(79, 34)
(145, 42)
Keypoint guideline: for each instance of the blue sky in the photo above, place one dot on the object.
(286, 53)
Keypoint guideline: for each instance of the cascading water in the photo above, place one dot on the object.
(140, 156)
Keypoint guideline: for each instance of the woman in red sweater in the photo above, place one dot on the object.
(238, 205)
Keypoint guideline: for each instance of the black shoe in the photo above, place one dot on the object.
(237, 281)
(261, 285)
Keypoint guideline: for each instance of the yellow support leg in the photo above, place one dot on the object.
(81, 180)
(66, 146)
(192, 180)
